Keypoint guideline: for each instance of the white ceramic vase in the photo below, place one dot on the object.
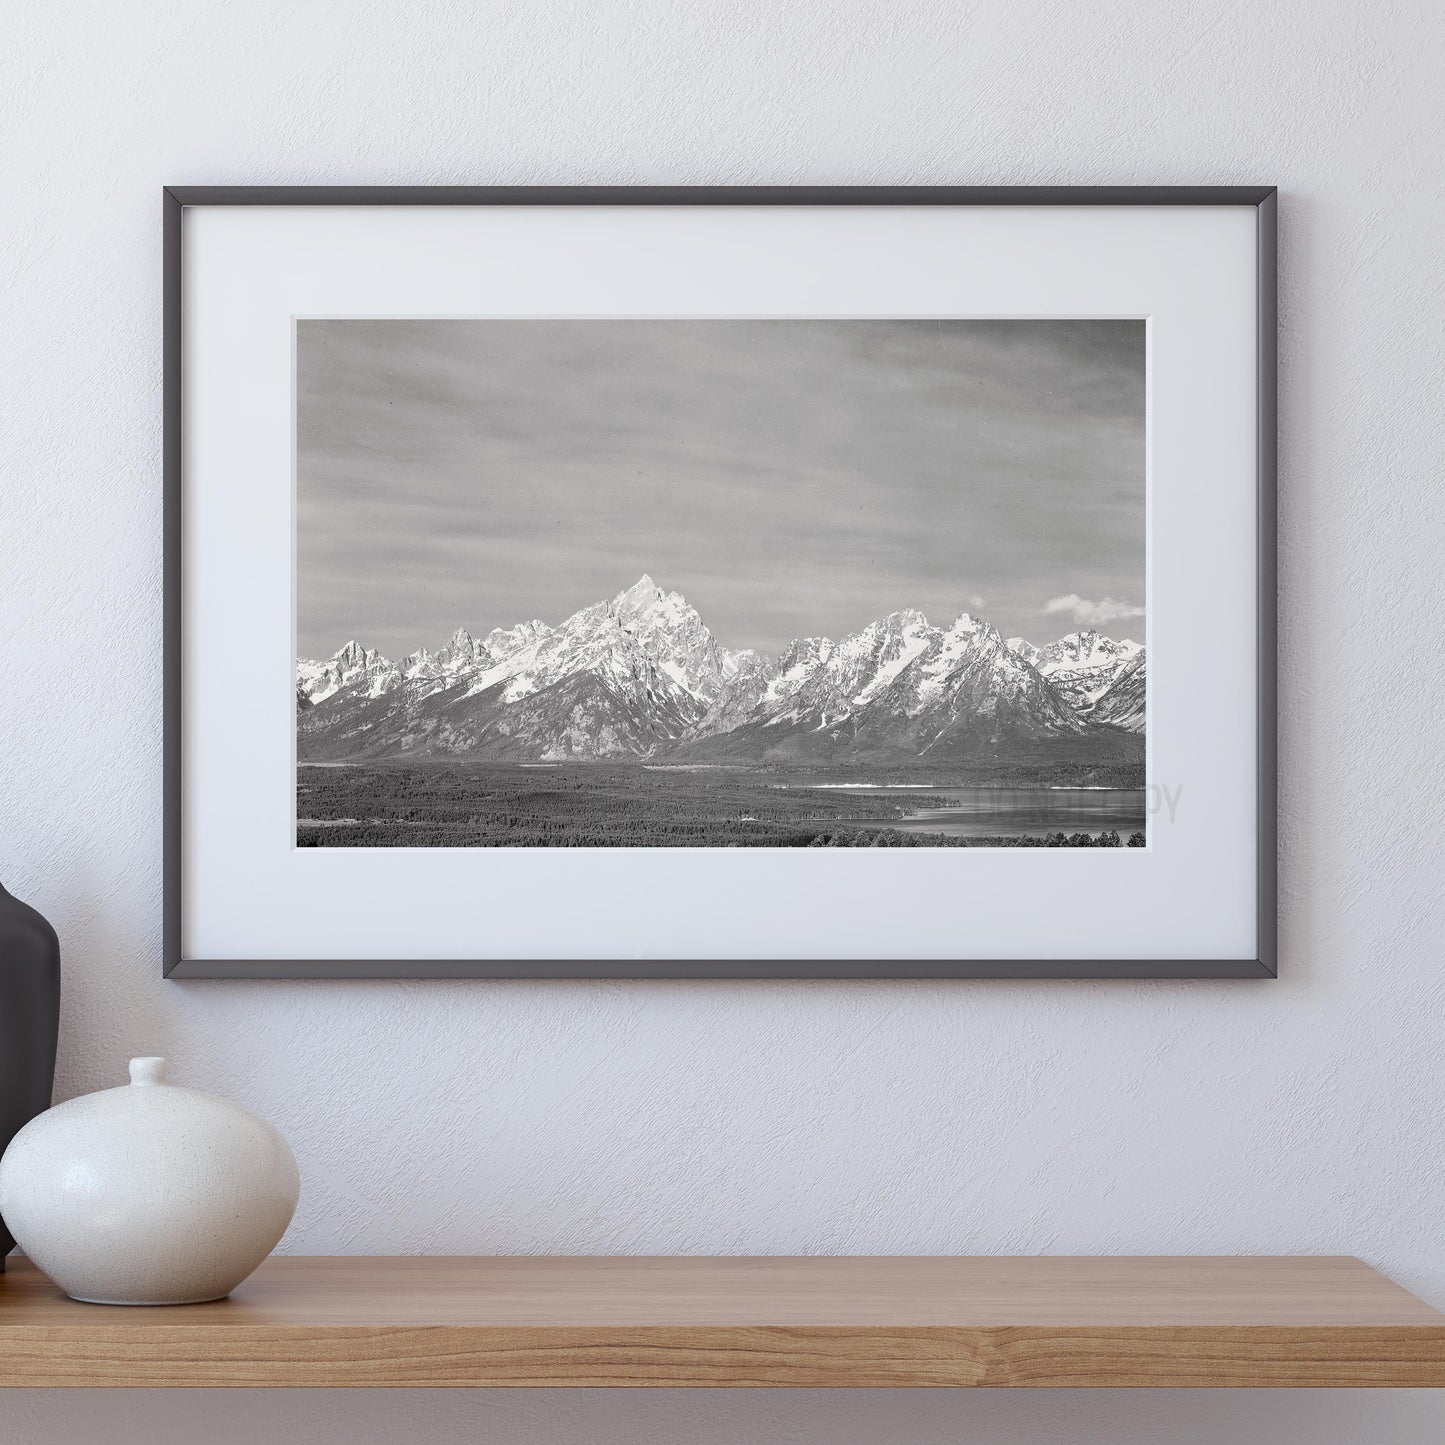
(148, 1194)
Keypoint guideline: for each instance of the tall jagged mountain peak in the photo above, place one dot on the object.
(640, 676)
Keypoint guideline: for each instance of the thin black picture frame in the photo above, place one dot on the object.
(1264, 200)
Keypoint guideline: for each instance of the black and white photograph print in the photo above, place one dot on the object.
(720, 583)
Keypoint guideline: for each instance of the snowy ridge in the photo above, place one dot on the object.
(1081, 666)
(1122, 703)
(641, 676)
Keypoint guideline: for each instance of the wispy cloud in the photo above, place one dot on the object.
(789, 477)
(1093, 614)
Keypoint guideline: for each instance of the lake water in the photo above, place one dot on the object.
(1015, 812)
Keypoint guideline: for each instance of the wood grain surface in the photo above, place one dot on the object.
(709, 1322)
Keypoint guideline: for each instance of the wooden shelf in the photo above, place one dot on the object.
(1301, 1322)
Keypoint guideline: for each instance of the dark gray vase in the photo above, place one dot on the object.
(29, 1021)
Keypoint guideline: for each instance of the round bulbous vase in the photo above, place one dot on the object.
(149, 1194)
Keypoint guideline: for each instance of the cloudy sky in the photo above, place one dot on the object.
(787, 477)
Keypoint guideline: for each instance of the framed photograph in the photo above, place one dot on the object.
(767, 583)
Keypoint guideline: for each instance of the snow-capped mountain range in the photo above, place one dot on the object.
(640, 676)
(1081, 666)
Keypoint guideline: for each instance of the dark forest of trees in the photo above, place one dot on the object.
(597, 806)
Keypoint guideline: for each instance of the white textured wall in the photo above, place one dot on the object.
(1304, 1115)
